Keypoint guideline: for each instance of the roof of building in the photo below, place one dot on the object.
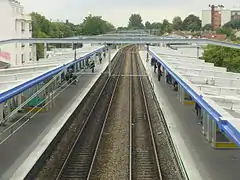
(14, 77)
(214, 85)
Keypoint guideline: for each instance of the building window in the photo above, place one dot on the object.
(23, 26)
(22, 58)
(23, 45)
(30, 56)
(30, 26)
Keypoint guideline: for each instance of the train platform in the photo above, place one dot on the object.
(21, 150)
(213, 90)
(201, 161)
(19, 83)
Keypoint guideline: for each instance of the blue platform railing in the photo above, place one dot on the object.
(26, 85)
(223, 125)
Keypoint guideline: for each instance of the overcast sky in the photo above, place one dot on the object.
(118, 11)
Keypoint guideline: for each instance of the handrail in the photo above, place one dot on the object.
(29, 99)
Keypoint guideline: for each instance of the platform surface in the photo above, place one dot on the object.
(19, 152)
(200, 159)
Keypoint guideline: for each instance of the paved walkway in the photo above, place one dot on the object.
(198, 155)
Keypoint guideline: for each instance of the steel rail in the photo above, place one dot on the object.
(130, 117)
(149, 123)
(82, 128)
(104, 123)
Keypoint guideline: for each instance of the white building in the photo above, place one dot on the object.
(15, 24)
(226, 15)
(206, 17)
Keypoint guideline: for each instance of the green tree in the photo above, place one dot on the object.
(191, 23)
(177, 23)
(228, 31)
(43, 28)
(156, 25)
(135, 22)
(40, 28)
(207, 27)
(223, 57)
(122, 28)
(148, 25)
(95, 25)
(232, 64)
(234, 24)
(166, 27)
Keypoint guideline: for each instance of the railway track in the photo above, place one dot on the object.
(144, 162)
(140, 159)
(79, 158)
(116, 139)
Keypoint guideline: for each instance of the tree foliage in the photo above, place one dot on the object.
(95, 25)
(207, 27)
(177, 23)
(191, 23)
(43, 28)
(228, 31)
(234, 24)
(166, 27)
(223, 57)
(135, 22)
(148, 25)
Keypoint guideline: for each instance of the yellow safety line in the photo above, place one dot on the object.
(224, 145)
(189, 102)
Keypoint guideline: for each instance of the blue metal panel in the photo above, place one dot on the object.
(18, 89)
(231, 132)
(223, 125)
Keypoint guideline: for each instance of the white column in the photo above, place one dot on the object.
(96, 59)
(209, 129)
(19, 99)
(45, 50)
(204, 120)
(1, 112)
(52, 95)
(213, 127)
(198, 52)
(181, 91)
(60, 77)
(78, 66)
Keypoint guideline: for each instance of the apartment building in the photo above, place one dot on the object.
(15, 24)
